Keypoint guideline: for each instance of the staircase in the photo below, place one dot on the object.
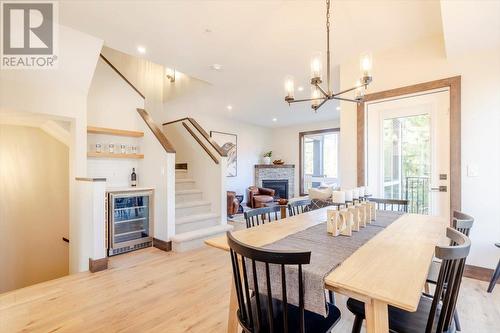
(194, 219)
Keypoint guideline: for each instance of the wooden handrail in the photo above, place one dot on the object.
(169, 148)
(200, 129)
(200, 143)
(122, 76)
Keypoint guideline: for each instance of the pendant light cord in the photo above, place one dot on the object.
(328, 46)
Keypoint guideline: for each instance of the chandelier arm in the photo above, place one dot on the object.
(347, 99)
(321, 104)
(344, 91)
(326, 94)
(307, 100)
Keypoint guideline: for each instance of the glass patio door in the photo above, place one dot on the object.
(408, 151)
(319, 158)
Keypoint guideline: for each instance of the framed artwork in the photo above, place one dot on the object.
(229, 143)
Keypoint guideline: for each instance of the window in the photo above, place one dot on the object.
(319, 151)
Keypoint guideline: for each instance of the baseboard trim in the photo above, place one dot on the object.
(98, 265)
(162, 245)
(478, 273)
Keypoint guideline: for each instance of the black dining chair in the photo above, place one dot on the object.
(462, 223)
(299, 207)
(496, 274)
(260, 312)
(433, 314)
(262, 215)
(397, 205)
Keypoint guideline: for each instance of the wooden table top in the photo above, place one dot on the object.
(391, 267)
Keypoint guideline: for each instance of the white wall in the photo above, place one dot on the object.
(112, 103)
(189, 97)
(424, 62)
(285, 144)
(34, 207)
(62, 94)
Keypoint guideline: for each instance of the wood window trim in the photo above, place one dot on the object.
(301, 136)
(454, 85)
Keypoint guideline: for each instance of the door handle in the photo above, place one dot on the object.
(441, 188)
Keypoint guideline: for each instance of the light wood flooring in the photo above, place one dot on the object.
(154, 291)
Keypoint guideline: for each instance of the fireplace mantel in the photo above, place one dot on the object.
(276, 172)
(268, 166)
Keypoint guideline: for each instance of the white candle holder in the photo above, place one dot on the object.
(373, 210)
(355, 217)
(339, 222)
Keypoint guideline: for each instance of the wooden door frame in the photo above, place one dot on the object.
(454, 85)
(301, 136)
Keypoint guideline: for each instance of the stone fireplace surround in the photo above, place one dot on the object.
(276, 172)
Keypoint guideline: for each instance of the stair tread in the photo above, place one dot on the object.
(195, 218)
(200, 233)
(194, 203)
(193, 191)
(184, 180)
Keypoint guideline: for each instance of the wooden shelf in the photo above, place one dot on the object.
(112, 131)
(111, 155)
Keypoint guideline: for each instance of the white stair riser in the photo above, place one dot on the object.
(196, 225)
(188, 197)
(186, 211)
(192, 244)
(181, 174)
(185, 186)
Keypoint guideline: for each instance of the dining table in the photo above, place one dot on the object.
(389, 269)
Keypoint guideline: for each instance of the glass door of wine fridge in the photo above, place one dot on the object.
(130, 221)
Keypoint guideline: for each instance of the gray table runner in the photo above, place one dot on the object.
(327, 253)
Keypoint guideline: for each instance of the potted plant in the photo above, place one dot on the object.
(267, 157)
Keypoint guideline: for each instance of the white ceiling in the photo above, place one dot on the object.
(256, 42)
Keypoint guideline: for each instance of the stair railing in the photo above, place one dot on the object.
(203, 135)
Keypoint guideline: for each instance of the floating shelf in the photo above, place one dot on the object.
(112, 131)
(111, 155)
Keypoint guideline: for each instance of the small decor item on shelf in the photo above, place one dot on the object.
(267, 157)
(133, 178)
(111, 148)
(123, 148)
(278, 162)
(134, 149)
(98, 148)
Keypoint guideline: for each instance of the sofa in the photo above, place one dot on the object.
(258, 197)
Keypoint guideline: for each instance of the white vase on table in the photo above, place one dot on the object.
(267, 160)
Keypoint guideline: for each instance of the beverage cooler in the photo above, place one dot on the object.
(130, 221)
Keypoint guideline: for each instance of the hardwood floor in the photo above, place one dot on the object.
(155, 291)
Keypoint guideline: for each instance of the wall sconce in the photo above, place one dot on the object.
(170, 74)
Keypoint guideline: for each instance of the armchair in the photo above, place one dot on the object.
(232, 203)
(257, 197)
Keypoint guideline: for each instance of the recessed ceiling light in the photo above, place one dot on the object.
(300, 88)
(275, 119)
(229, 107)
(141, 49)
(216, 67)
(338, 108)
